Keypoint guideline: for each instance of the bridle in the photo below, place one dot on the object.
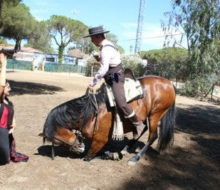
(65, 142)
(93, 100)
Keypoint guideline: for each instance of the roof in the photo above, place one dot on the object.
(76, 53)
(23, 49)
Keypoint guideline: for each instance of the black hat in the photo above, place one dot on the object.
(96, 30)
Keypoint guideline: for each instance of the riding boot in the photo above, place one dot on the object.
(138, 127)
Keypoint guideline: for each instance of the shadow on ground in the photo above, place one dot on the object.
(21, 88)
(59, 151)
(191, 168)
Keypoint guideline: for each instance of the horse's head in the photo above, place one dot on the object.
(78, 145)
(67, 138)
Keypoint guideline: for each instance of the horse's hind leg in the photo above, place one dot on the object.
(153, 123)
(130, 144)
(133, 142)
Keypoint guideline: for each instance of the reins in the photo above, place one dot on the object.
(92, 98)
(63, 141)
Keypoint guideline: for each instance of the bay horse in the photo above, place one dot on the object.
(94, 118)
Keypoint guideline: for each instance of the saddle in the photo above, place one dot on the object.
(128, 73)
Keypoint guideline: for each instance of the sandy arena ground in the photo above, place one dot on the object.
(192, 163)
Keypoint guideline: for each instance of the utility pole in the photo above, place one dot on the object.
(140, 26)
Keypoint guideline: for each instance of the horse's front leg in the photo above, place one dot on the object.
(96, 145)
(102, 129)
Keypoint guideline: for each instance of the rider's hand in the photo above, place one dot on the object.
(97, 57)
(90, 88)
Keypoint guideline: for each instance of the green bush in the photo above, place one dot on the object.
(135, 63)
(199, 86)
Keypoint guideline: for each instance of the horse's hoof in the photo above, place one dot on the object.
(87, 158)
(124, 152)
(112, 156)
(117, 156)
(132, 161)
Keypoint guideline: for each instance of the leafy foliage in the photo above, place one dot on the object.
(135, 63)
(113, 38)
(64, 31)
(167, 62)
(18, 23)
(9, 3)
(3, 41)
(200, 20)
(41, 39)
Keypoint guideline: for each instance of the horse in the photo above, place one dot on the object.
(93, 117)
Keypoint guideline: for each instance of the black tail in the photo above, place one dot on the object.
(167, 128)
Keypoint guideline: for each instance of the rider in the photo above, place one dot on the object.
(111, 70)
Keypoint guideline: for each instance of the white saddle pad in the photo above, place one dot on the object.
(133, 89)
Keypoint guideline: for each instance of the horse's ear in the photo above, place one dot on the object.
(41, 135)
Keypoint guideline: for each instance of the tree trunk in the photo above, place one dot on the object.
(60, 56)
(1, 24)
(17, 45)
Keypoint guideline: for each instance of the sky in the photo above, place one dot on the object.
(120, 17)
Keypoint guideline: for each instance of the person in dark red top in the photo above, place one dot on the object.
(7, 121)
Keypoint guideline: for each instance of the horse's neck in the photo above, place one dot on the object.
(91, 127)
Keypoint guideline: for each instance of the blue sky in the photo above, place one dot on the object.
(118, 16)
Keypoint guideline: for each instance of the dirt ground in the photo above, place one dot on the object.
(192, 163)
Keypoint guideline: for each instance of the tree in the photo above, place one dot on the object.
(113, 38)
(10, 3)
(199, 20)
(41, 39)
(18, 23)
(3, 41)
(135, 63)
(64, 31)
(88, 47)
(167, 62)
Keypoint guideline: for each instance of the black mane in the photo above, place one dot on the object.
(70, 113)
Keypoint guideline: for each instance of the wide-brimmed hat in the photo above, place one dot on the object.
(95, 31)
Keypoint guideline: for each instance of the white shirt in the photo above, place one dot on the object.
(109, 57)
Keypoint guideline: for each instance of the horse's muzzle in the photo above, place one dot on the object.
(79, 148)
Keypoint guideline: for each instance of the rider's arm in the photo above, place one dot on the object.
(105, 59)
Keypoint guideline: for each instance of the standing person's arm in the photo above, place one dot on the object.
(3, 62)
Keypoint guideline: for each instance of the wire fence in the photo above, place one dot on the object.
(19, 65)
(54, 67)
(13, 64)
